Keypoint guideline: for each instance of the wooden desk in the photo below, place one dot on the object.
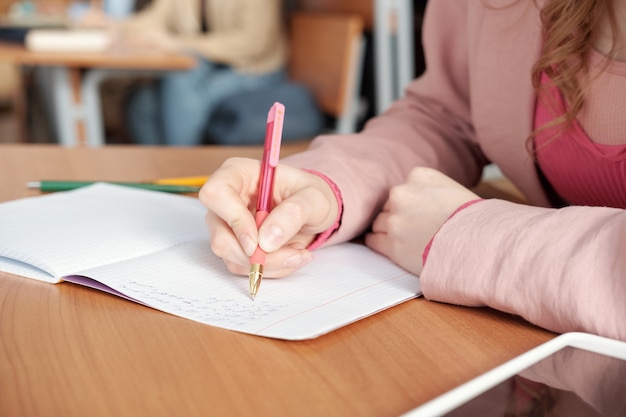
(74, 80)
(71, 351)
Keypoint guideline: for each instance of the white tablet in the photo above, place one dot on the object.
(574, 374)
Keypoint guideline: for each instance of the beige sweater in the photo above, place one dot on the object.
(248, 35)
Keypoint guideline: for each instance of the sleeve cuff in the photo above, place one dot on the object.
(325, 235)
(430, 242)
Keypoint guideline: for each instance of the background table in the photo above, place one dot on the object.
(74, 80)
(67, 351)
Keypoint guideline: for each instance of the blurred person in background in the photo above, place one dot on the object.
(239, 45)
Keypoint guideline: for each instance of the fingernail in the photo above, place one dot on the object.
(247, 244)
(271, 238)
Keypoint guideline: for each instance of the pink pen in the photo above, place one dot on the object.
(271, 154)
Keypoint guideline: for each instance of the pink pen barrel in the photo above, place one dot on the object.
(271, 152)
(266, 179)
(259, 254)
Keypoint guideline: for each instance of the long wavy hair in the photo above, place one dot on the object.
(569, 27)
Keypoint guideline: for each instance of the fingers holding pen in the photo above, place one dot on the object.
(224, 242)
(283, 224)
(227, 195)
(304, 205)
(278, 264)
(287, 231)
(231, 247)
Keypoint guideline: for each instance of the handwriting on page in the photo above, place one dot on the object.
(208, 309)
(188, 280)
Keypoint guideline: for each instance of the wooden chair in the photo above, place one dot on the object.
(326, 55)
(365, 9)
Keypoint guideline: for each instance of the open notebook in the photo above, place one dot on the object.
(153, 248)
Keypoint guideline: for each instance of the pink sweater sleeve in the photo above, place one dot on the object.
(562, 269)
(431, 125)
(430, 243)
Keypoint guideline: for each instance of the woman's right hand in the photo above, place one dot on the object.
(304, 205)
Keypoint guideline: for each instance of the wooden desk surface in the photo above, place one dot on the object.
(136, 59)
(66, 350)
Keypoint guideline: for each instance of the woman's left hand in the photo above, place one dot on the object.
(413, 214)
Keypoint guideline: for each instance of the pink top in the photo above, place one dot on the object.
(581, 171)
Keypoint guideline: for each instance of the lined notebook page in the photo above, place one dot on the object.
(154, 248)
(63, 233)
(341, 285)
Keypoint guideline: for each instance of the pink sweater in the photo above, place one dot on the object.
(562, 269)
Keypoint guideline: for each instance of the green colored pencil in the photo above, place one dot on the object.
(51, 186)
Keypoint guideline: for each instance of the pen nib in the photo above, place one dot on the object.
(255, 276)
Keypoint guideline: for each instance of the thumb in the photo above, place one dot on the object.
(297, 220)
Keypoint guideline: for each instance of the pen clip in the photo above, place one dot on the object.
(276, 117)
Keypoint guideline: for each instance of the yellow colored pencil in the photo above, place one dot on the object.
(197, 181)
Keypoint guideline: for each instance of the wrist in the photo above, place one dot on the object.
(321, 238)
(430, 242)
